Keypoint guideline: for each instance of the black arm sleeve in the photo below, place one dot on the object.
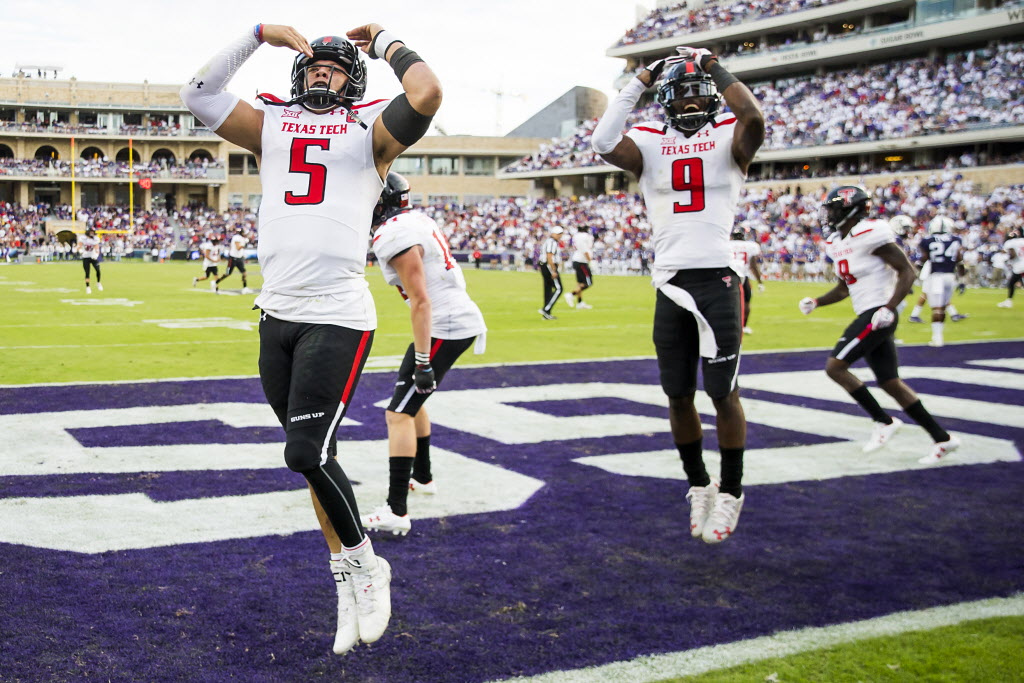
(403, 122)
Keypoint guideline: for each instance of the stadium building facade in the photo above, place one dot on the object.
(830, 40)
(141, 136)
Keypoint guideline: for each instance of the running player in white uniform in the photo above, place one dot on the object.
(89, 246)
(210, 249)
(582, 255)
(876, 275)
(746, 260)
(322, 163)
(236, 260)
(1014, 248)
(943, 251)
(691, 170)
(414, 257)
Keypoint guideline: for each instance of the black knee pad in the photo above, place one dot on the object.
(302, 450)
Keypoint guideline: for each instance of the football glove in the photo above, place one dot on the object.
(698, 54)
(807, 304)
(657, 67)
(423, 378)
(884, 317)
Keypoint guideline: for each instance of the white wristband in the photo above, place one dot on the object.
(381, 42)
(608, 131)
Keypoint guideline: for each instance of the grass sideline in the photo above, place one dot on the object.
(50, 334)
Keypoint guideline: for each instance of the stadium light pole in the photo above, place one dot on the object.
(131, 187)
(74, 209)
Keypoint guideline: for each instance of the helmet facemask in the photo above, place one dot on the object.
(690, 100)
(344, 59)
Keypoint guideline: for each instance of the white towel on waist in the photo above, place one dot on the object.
(682, 298)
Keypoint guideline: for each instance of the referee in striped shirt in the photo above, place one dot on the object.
(551, 258)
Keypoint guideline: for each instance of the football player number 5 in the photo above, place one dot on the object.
(317, 172)
(688, 176)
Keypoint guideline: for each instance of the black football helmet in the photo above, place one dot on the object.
(394, 198)
(738, 233)
(685, 80)
(345, 55)
(843, 207)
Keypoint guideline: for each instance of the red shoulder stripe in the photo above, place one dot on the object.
(272, 98)
(862, 232)
(649, 130)
(370, 104)
(723, 123)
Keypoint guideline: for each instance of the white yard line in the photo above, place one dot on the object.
(784, 644)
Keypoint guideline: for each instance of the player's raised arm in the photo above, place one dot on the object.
(749, 118)
(607, 138)
(407, 118)
(223, 112)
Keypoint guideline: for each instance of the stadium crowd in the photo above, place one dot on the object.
(679, 19)
(159, 129)
(784, 222)
(906, 98)
(105, 168)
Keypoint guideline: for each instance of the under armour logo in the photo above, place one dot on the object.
(727, 280)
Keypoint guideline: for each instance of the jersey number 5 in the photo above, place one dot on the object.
(317, 172)
(688, 176)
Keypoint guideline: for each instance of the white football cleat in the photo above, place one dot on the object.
(213, 285)
(88, 289)
(1005, 304)
(383, 519)
(584, 305)
(348, 622)
(194, 281)
(99, 286)
(570, 300)
(747, 330)
(702, 502)
(246, 290)
(934, 343)
(940, 451)
(373, 598)
(428, 489)
(724, 518)
(881, 434)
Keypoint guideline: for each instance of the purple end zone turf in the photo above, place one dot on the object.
(594, 568)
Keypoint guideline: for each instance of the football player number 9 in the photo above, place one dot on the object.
(688, 176)
(317, 172)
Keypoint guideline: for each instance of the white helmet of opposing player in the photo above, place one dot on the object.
(940, 224)
(901, 225)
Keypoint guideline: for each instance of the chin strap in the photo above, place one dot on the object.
(333, 98)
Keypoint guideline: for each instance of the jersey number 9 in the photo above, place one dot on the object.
(688, 176)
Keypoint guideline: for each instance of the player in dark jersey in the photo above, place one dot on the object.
(944, 251)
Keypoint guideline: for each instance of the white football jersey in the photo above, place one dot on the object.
(320, 185)
(582, 244)
(1016, 246)
(90, 246)
(691, 186)
(454, 315)
(236, 248)
(743, 252)
(870, 279)
(211, 254)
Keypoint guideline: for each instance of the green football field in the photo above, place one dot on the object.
(150, 323)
